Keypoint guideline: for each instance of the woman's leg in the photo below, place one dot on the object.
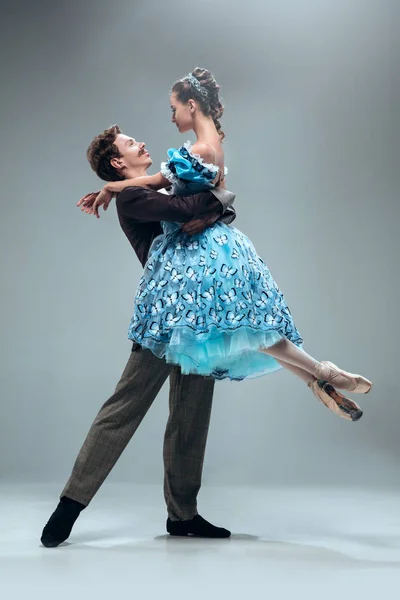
(326, 393)
(304, 375)
(289, 353)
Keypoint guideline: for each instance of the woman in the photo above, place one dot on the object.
(208, 302)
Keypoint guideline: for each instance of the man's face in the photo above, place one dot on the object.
(133, 154)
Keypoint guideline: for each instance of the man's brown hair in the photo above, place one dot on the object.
(100, 152)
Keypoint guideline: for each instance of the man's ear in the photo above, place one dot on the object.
(117, 163)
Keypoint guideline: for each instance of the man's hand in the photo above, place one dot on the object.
(197, 225)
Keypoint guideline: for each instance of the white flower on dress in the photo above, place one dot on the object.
(191, 274)
(209, 271)
(154, 329)
(157, 308)
(222, 240)
(209, 294)
(200, 304)
(273, 321)
(137, 329)
(214, 315)
(142, 308)
(264, 300)
(151, 285)
(161, 284)
(170, 320)
(230, 297)
(232, 318)
(190, 317)
(175, 276)
(213, 254)
(193, 245)
(180, 307)
(254, 320)
(140, 294)
(248, 295)
(190, 297)
(265, 284)
(246, 273)
(239, 283)
(227, 272)
(171, 299)
(200, 321)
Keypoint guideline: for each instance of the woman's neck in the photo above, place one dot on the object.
(205, 129)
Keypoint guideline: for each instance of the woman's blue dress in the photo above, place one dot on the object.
(208, 302)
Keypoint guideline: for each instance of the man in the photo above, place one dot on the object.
(115, 156)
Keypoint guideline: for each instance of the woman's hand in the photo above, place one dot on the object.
(86, 203)
(91, 202)
(103, 199)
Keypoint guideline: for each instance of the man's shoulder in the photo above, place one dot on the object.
(136, 192)
(131, 192)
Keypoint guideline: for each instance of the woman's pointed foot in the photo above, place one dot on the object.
(335, 401)
(328, 371)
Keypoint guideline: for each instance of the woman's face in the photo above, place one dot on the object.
(182, 114)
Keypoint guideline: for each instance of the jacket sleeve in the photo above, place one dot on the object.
(226, 198)
(141, 205)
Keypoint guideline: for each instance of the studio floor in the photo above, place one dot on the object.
(286, 542)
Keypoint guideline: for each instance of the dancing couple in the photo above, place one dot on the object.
(206, 309)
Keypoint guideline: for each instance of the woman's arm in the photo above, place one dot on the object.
(208, 154)
(92, 202)
(154, 182)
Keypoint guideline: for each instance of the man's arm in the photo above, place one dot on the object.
(141, 205)
(203, 222)
(226, 198)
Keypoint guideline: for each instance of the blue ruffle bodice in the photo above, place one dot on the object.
(188, 172)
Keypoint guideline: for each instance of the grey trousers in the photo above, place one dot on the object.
(190, 401)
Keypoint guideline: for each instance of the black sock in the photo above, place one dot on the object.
(196, 527)
(59, 526)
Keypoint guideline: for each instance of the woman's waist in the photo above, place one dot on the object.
(176, 228)
(183, 188)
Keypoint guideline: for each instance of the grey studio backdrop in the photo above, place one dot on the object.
(312, 128)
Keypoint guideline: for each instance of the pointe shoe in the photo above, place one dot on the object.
(327, 371)
(336, 402)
